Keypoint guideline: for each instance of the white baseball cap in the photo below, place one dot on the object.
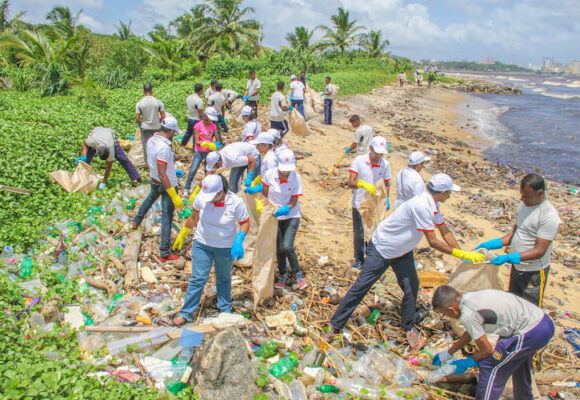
(274, 132)
(246, 111)
(210, 186)
(286, 161)
(263, 138)
(379, 145)
(443, 183)
(211, 113)
(211, 160)
(417, 157)
(170, 123)
(292, 77)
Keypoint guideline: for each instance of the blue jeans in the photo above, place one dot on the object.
(189, 132)
(328, 111)
(198, 157)
(202, 259)
(167, 209)
(358, 231)
(287, 230)
(300, 105)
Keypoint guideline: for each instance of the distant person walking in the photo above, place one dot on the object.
(297, 94)
(278, 107)
(195, 107)
(430, 80)
(252, 93)
(409, 180)
(304, 77)
(218, 102)
(362, 136)
(328, 101)
(402, 79)
(149, 112)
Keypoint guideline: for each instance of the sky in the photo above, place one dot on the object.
(519, 32)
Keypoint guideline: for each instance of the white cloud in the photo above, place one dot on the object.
(91, 23)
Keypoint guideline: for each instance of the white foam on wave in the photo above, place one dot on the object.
(511, 78)
(561, 96)
(553, 83)
(539, 89)
(574, 84)
(489, 125)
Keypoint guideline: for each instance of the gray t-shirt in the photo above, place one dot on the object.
(499, 313)
(328, 91)
(363, 136)
(150, 109)
(230, 94)
(194, 105)
(252, 86)
(102, 136)
(217, 101)
(540, 221)
(209, 91)
(278, 101)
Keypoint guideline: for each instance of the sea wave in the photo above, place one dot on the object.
(561, 96)
(489, 125)
(553, 83)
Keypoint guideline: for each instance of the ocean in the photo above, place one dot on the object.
(537, 131)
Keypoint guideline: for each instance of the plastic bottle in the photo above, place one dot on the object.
(440, 373)
(328, 389)
(358, 387)
(185, 355)
(372, 319)
(267, 350)
(284, 366)
(7, 252)
(113, 304)
(26, 267)
(37, 320)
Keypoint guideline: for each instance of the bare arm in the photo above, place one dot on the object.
(461, 343)
(437, 244)
(138, 119)
(539, 249)
(388, 185)
(448, 236)
(192, 220)
(484, 349)
(352, 180)
(196, 135)
(245, 227)
(162, 169)
(251, 164)
(162, 113)
(293, 201)
(85, 149)
(353, 146)
(108, 166)
(507, 239)
(256, 92)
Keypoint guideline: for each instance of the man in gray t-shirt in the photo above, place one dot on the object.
(530, 241)
(522, 327)
(149, 112)
(362, 136)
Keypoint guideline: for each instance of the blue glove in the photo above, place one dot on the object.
(132, 137)
(282, 211)
(290, 96)
(291, 108)
(441, 357)
(245, 98)
(249, 178)
(237, 248)
(179, 173)
(254, 189)
(82, 158)
(493, 244)
(512, 258)
(348, 150)
(321, 94)
(218, 145)
(388, 204)
(464, 364)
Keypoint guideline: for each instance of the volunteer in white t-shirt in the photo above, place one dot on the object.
(327, 94)
(278, 107)
(283, 187)
(149, 112)
(265, 145)
(392, 245)
(103, 142)
(297, 94)
(365, 171)
(239, 157)
(362, 136)
(409, 180)
(530, 241)
(279, 145)
(253, 127)
(252, 93)
(217, 241)
(523, 330)
(163, 183)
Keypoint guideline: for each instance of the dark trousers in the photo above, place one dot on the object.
(529, 285)
(237, 173)
(373, 268)
(221, 124)
(198, 158)
(146, 134)
(300, 105)
(287, 230)
(328, 111)
(512, 356)
(281, 126)
(358, 231)
(122, 158)
(167, 209)
(189, 133)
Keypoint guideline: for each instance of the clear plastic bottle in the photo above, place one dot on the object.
(440, 373)
(358, 388)
(7, 252)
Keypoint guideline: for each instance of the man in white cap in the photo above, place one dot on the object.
(252, 93)
(278, 107)
(237, 156)
(149, 112)
(253, 127)
(297, 94)
(279, 145)
(364, 172)
(362, 136)
(265, 145)
(392, 245)
(409, 180)
(163, 183)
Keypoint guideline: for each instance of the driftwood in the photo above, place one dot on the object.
(104, 284)
(118, 264)
(130, 259)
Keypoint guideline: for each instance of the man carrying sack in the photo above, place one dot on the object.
(102, 141)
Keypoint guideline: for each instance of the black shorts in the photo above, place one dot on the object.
(529, 285)
(282, 126)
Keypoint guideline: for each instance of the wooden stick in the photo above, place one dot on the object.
(323, 340)
(121, 329)
(257, 314)
(148, 379)
(310, 305)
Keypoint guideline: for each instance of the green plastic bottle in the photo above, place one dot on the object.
(267, 350)
(372, 319)
(26, 267)
(113, 304)
(328, 389)
(284, 366)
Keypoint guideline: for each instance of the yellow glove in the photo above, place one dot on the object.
(472, 256)
(177, 202)
(209, 145)
(195, 192)
(178, 244)
(257, 180)
(367, 186)
(259, 206)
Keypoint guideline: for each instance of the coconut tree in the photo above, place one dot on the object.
(159, 32)
(64, 20)
(343, 32)
(373, 42)
(5, 22)
(300, 38)
(124, 30)
(189, 22)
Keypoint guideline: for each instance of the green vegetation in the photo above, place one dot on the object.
(473, 66)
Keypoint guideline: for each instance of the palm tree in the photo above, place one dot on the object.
(300, 38)
(167, 53)
(224, 29)
(373, 42)
(5, 23)
(159, 32)
(343, 34)
(124, 30)
(190, 21)
(64, 20)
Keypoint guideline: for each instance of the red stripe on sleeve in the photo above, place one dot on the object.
(162, 162)
(297, 195)
(426, 230)
(354, 172)
(442, 223)
(244, 221)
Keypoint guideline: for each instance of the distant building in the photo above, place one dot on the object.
(547, 64)
(573, 68)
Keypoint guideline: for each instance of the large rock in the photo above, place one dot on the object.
(222, 368)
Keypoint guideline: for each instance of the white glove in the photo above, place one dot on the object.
(102, 186)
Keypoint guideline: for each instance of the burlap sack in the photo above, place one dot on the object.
(250, 240)
(317, 100)
(308, 110)
(234, 117)
(83, 179)
(373, 209)
(264, 265)
(136, 154)
(237, 106)
(298, 125)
